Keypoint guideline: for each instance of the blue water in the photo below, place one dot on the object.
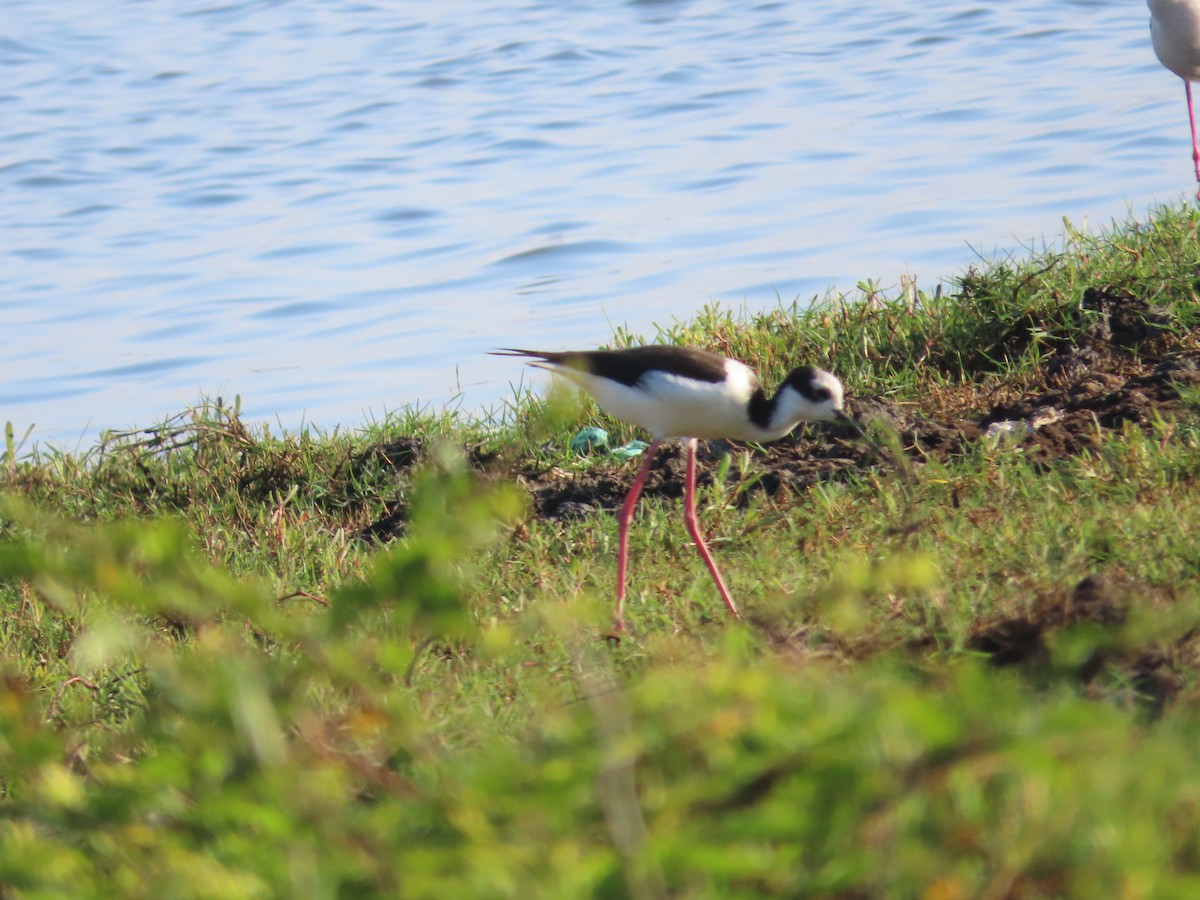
(335, 208)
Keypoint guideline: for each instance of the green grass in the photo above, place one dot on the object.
(354, 663)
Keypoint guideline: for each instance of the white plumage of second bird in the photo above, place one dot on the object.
(1175, 34)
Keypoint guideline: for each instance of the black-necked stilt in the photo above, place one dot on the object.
(684, 392)
(1175, 33)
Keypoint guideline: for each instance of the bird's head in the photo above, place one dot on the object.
(816, 395)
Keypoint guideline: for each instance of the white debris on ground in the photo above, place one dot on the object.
(1012, 431)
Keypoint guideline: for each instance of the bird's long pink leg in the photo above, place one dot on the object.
(1187, 87)
(623, 519)
(689, 517)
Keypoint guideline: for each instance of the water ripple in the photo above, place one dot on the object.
(574, 250)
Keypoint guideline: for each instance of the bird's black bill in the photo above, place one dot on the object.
(894, 455)
(843, 418)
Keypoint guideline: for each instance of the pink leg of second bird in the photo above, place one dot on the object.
(1187, 87)
(693, 527)
(623, 520)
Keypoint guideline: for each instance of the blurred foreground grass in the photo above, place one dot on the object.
(309, 665)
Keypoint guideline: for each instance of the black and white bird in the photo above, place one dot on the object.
(1175, 33)
(685, 392)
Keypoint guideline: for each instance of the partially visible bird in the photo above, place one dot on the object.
(1175, 33)
(685, 392)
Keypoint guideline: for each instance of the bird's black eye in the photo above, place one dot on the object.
(821, 393)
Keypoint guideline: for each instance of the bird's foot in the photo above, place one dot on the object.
(614, 634)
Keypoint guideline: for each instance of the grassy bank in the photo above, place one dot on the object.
(370, 662)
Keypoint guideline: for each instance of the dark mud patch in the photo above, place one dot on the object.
(791, 465)
(1140, 675)
(389, 460)
(1127, 366)
(1022, 638)
(1076, 416)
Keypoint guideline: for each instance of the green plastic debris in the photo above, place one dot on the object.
(588, 440)
(630, 450)
(591, 439)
